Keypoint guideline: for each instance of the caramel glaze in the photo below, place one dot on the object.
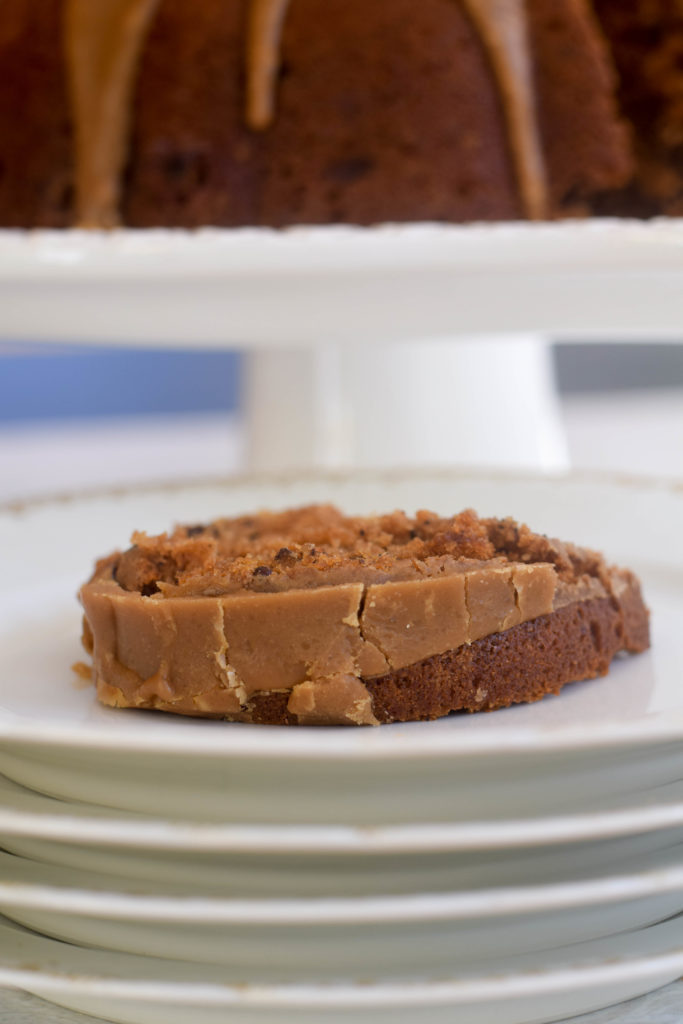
(104, 40)
(502, 28)
(264, 40)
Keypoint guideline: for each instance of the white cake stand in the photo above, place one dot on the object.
(349, 332)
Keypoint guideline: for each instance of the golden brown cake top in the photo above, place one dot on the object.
(318, 545)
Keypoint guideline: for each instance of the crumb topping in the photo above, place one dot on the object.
(318, 545)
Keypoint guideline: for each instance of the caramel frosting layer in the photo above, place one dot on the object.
(211, 655)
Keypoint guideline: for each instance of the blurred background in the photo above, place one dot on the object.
(75, 417)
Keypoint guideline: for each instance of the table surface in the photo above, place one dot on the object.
(627, 433)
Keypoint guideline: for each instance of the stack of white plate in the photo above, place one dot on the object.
(521, 867)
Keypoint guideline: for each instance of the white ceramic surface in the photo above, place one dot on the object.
(326, 952)
(436, 790)
(539, 988)
(309, 875)
(28, 814)
(335, 284)
(639, 702)
(398, 937)
(27, 884)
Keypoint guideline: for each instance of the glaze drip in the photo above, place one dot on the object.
(502, 26)
(104, 39)
(264, 37)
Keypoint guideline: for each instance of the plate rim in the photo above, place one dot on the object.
(505, 901)
(492, 987)
(288, 477)
(144, 834)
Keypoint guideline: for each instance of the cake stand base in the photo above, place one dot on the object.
(485, 401)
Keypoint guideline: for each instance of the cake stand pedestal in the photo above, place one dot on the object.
(487, 401)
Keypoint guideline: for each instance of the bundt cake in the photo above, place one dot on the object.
(277, 112)
(646, 38)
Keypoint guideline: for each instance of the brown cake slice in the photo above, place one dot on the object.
(312, 617)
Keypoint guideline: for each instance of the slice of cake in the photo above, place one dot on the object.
(312, 617)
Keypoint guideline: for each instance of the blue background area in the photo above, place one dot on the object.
(48, 382)
(44, 381)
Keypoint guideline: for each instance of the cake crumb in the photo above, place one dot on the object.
(83, 675)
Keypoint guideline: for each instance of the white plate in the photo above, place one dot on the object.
(27, 814)
(343, 283)
(426, 791)
(540, 987)
(323, 939)
(254, 953)
(31, 885)
(282, 875)
(641, 701)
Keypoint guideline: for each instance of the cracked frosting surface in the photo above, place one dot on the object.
(309, 604)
